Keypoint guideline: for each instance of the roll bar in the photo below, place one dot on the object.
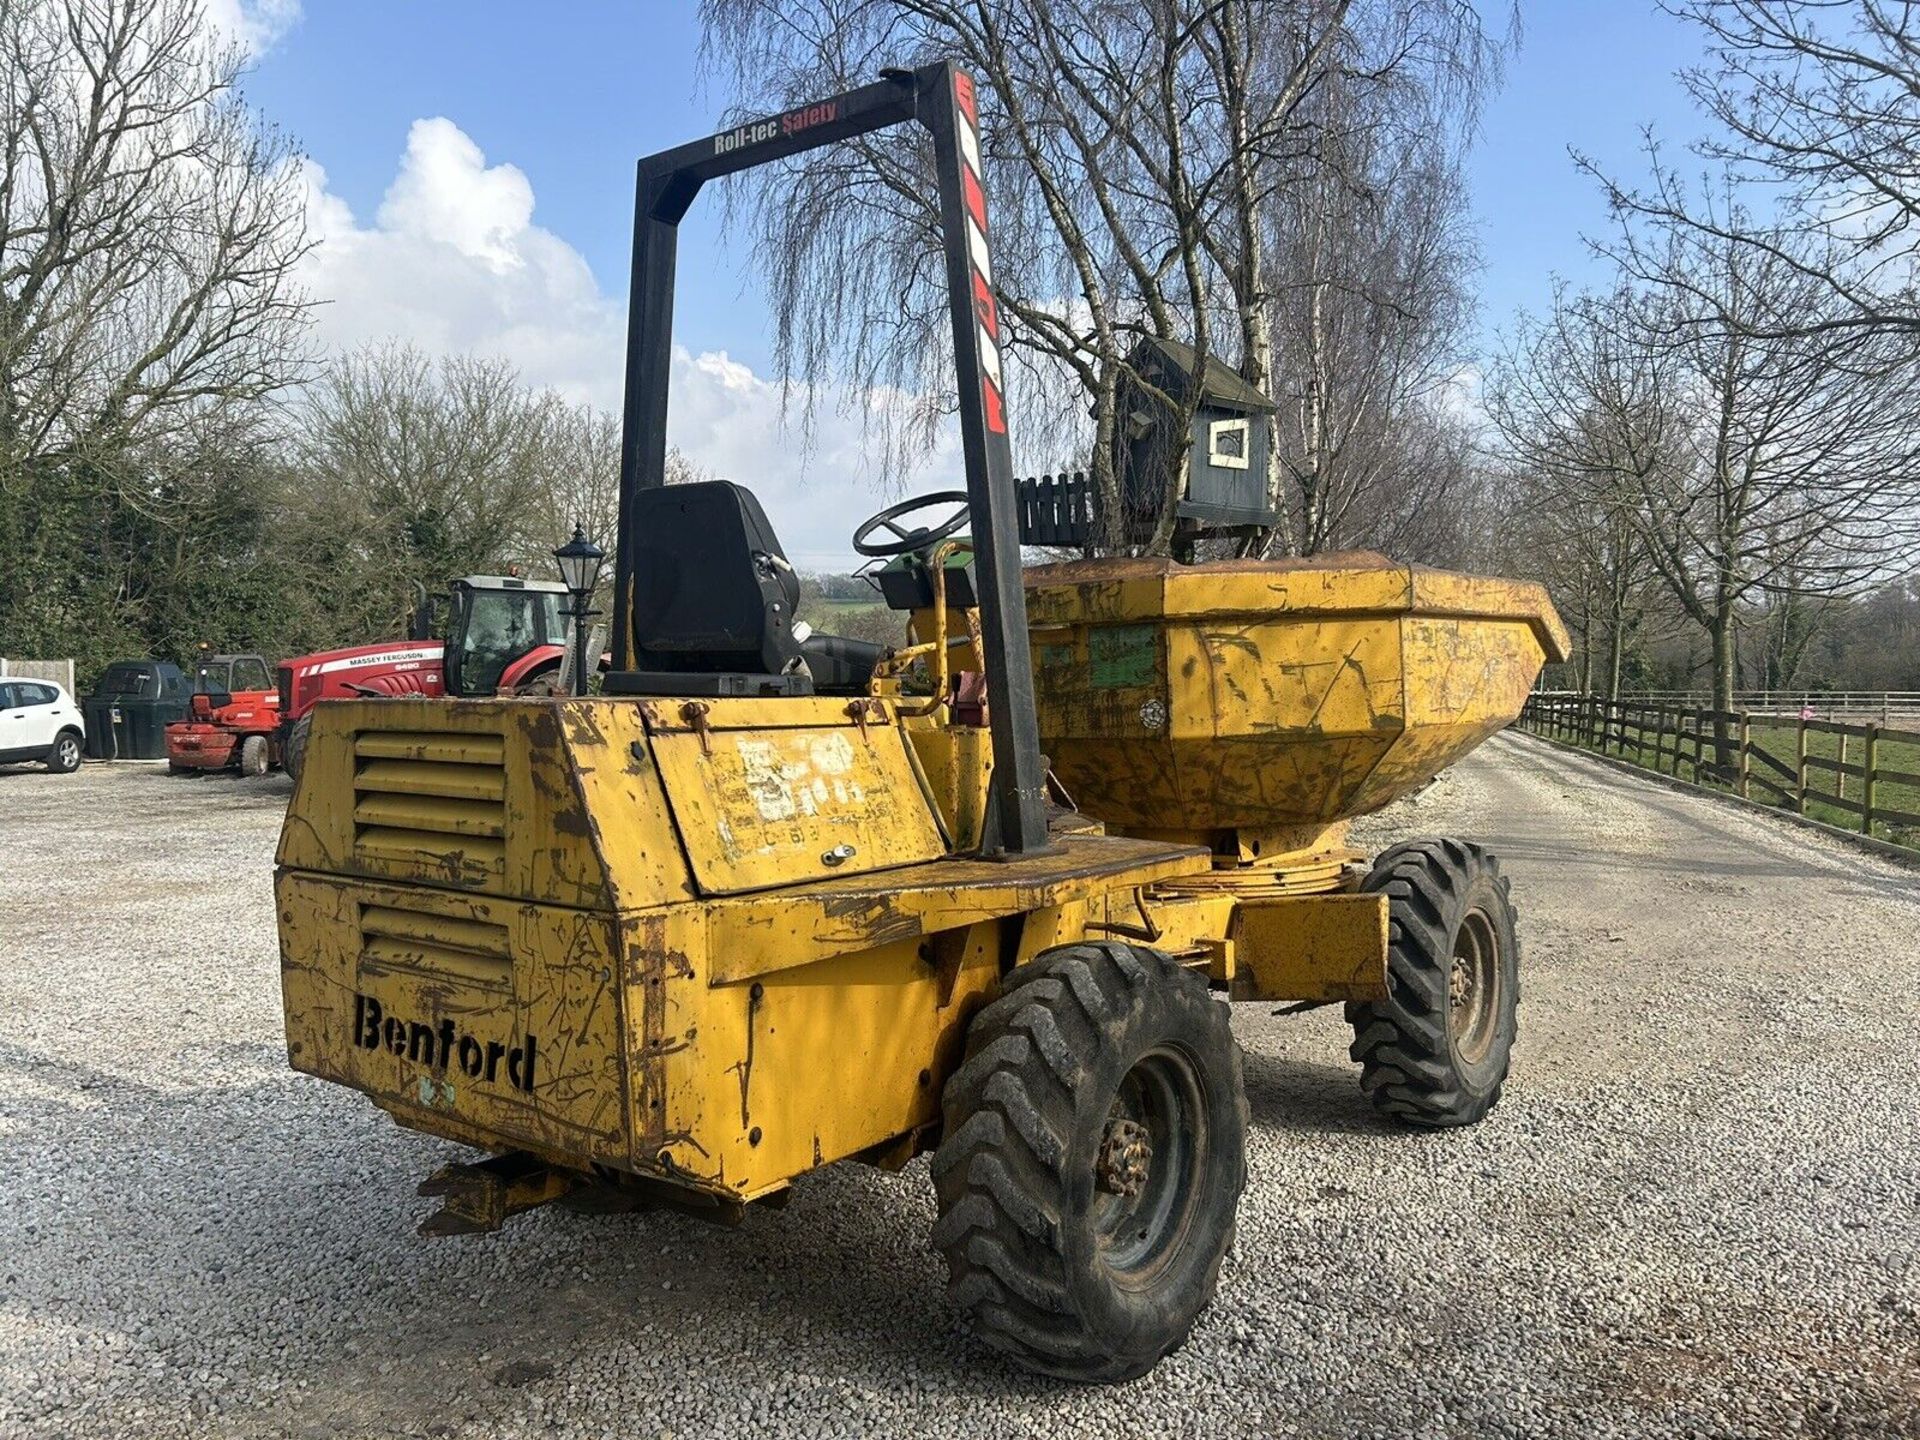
(943, 98)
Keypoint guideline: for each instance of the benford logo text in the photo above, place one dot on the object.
(438, 1046)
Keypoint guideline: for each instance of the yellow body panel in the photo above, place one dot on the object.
(758, 934)
(787, 804)
(1310, 947)
(493, 870)
(508, 1017)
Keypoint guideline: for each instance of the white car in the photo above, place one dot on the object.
(39, 721)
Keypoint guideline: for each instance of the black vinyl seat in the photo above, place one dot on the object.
(713, 603)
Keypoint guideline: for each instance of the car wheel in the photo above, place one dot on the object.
(64, 757)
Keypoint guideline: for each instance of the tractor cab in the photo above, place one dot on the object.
(499, 631)
(495, 625)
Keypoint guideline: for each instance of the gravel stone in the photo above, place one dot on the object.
(1696, 1211)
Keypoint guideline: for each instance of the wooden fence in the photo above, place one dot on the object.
(58, 671)
(1887, 707)
(1736, 750)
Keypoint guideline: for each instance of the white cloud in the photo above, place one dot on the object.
(729, 420)
(454, 263)
(258, 25)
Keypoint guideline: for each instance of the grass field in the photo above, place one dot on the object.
(855, 619)
(1896, 750)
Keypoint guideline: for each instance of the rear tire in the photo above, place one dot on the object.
(64, 757)
(296, 747)
(1435, 1053)
(253, 755)
(1094, 1155)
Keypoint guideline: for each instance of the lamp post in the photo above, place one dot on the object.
(579, 561)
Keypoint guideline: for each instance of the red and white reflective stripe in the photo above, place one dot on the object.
(974, 193)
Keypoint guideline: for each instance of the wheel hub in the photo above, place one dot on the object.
(1473, 986)
(1126, 1158)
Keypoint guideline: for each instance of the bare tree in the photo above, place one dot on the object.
(1818, 107)
(1133, 152)
(408, 472)
(149, 227)
(1759, 453)
(1370, 295)
(577, 472)
(1805, 464)
(1584, 404)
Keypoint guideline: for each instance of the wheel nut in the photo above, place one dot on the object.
(1126, 1157)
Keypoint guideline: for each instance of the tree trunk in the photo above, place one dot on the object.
(1109, 529)
(1722, 633)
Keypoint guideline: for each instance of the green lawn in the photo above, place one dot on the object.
(1895, 751)
(856, 620)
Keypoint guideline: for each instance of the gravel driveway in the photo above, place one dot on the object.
(1697, 1210)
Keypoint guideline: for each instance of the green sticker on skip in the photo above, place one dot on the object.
(1123, 655)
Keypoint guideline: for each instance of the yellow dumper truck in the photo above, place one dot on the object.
(777, 899)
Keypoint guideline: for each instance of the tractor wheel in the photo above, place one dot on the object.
(1435, 1052)
(253, 755)
(1094, 1154)
(296, 747)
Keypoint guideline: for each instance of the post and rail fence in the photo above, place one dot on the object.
(1884, 706)
(1863, 777)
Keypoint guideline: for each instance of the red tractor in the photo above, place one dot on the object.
(233, 718)
(503, 633)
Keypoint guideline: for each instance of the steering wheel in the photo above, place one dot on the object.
(906, 541)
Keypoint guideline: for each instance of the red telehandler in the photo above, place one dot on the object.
(232, 718)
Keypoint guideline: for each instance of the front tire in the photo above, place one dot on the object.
(64, 757)
(296, 747)
(1435, 1052)
(1094, 1155)
(253, 756)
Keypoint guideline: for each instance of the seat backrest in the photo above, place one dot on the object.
(712, 590)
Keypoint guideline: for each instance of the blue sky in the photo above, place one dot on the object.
(1589, 75)
(472, 170)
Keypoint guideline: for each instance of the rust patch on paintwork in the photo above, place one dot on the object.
(647, 967)
(872, 916)
(743, 1067)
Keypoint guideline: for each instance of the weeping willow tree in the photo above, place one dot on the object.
(1136, 154)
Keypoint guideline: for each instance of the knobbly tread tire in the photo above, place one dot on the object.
(296, 751)
(1408, 1065)
(1014, 1173)
(253, 755)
